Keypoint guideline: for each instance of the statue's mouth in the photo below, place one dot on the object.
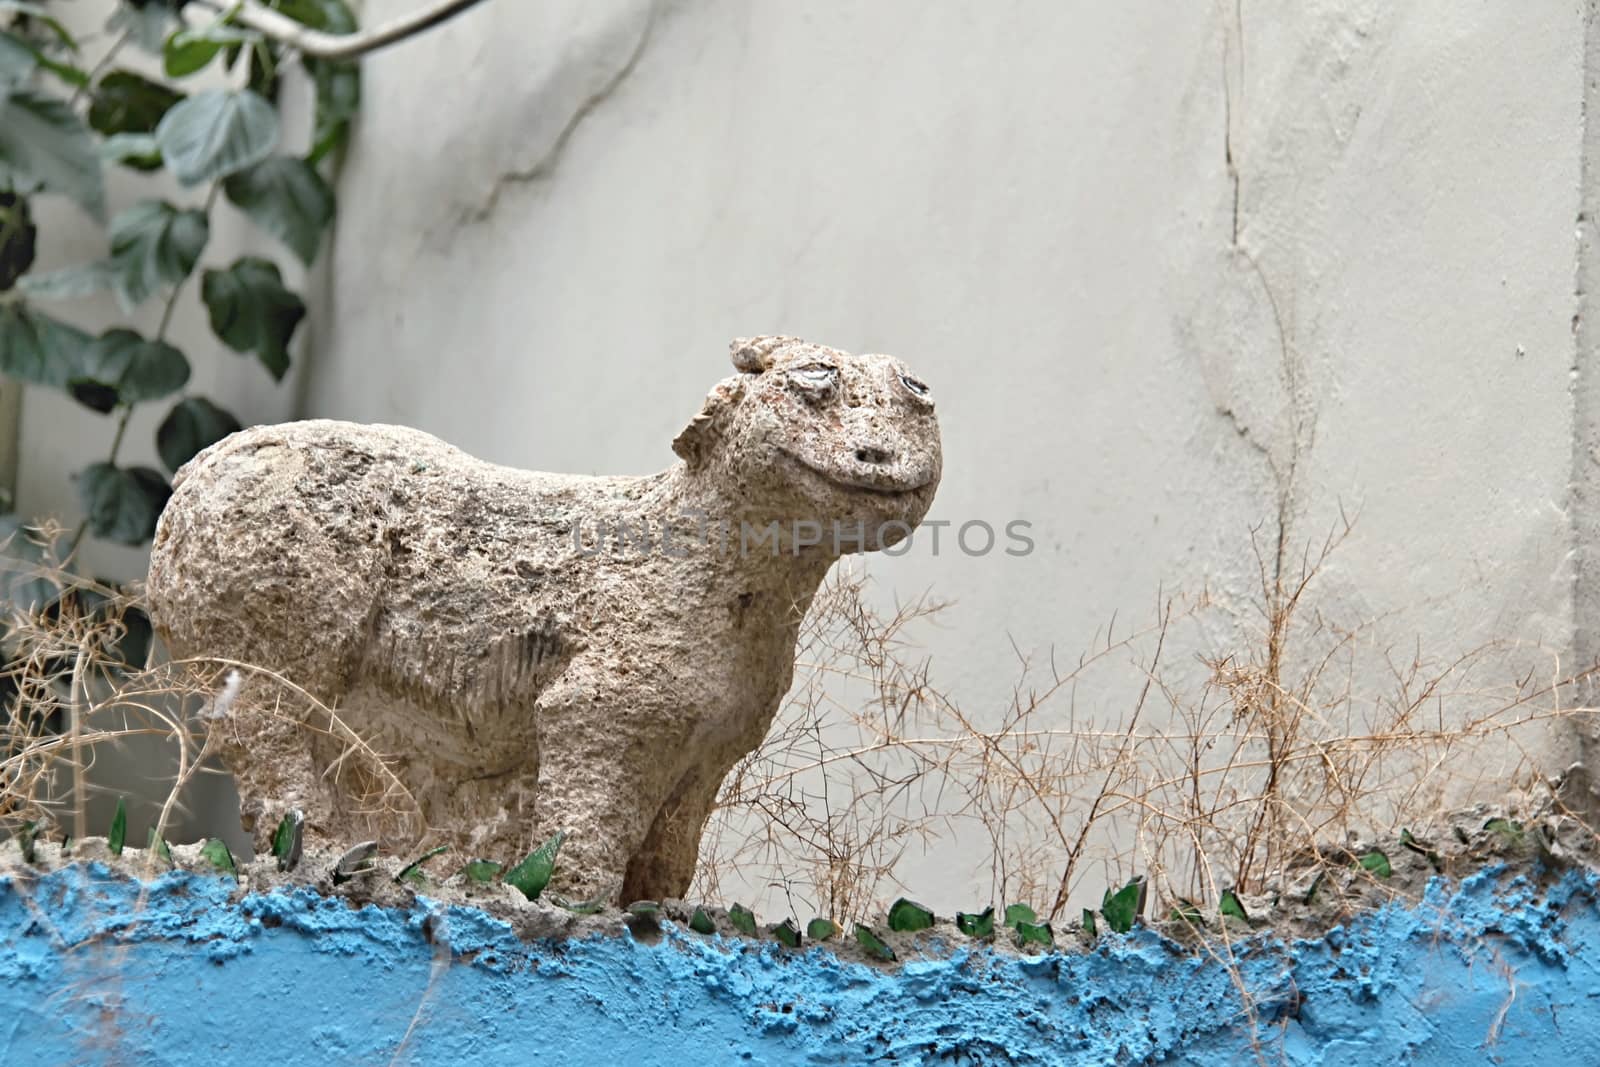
(863, 484)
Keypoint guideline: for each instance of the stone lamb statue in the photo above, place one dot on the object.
(523, 668)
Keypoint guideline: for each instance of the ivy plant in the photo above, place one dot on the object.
(63, 125)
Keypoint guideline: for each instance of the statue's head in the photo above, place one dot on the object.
(809, 433)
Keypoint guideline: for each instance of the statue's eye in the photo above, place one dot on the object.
(915, 387)
(816, 376)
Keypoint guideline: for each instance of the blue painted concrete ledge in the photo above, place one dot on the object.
(96, 968)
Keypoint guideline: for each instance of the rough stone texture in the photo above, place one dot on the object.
(188, 970)
(528, 669)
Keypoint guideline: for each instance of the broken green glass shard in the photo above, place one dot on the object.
(531, 875)
(907, 916)
(1377, 863)
(822, 929)
(1187, 911)
(1019, 913)
(481, 872)
(787, 932)
(118, 834)
(215, 852)
(1231, 907)
(874, 944)
(287, 840)
(354, 863)
(412, 872)
(1035, 934)
(701, 923)
(158, 845)
(580, 907)
(742, 919)
(1122, 907)
(980, 924)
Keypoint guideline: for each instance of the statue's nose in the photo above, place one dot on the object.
(874, 454)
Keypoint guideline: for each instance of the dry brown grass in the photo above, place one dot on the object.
(1238, 771)
(75, 693)
(1268, 757)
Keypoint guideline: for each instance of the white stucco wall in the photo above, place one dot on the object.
(1174, 271)
(544, 246)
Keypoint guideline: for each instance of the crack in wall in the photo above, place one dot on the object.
(1298, 409)
(546, 164)
(1230, 159)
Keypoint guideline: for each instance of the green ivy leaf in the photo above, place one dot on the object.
(742, 919)
(1377, 863)
(153, 245)
(193, 424)
(145, 22)
(252, 311)
(125, 102)
(123, 503)
(1019, 913)
(18, 59)
(289, 839)
(1122, 907)
(786, 932)
(117, 836)
(701, 923)
(287, 198)
(133, 368)
(979, 925)
(338, 89)
(18, 235)
(906, 916)
(481, 872)
(1231, 906)
(95, 396)
(1035, 934)
(136, 150)
(822, 929)
(159, 846)
(215, 852)
(869, 940)
(37, 349)
(531, 875)
(189, 50)
(38, 13)
(44, 145)
(338, 82)
(217, 133)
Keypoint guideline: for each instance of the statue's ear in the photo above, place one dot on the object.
(752, 355)
(699, 439)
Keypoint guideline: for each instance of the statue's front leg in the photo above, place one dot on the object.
(605, 767)
(269, 750)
